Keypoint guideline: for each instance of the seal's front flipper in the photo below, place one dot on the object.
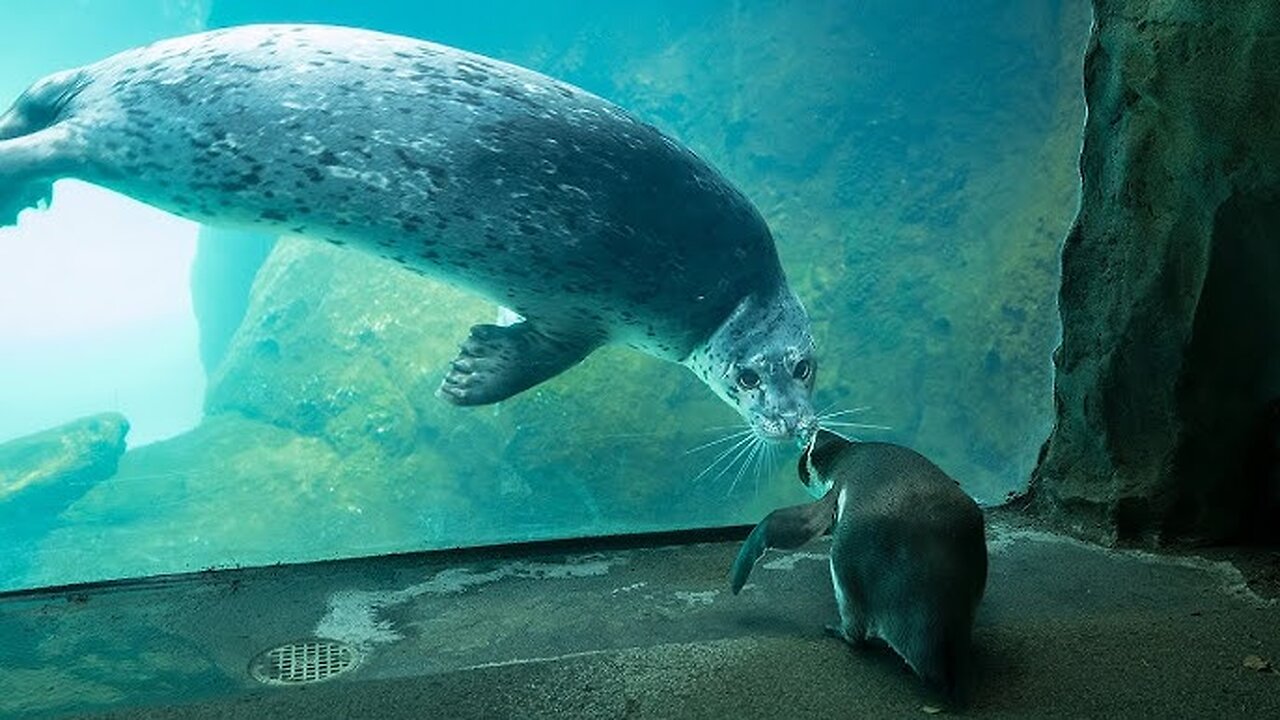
(497, 362)
(785, 528)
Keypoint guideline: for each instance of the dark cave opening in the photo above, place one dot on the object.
(1228, 464)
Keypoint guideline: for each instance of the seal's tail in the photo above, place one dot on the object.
(26, 130)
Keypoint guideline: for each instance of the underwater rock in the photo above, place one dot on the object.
(1171, 346)
(42, 474)
(323, 436)
(343, 346)
(235, 491)
(349, 349)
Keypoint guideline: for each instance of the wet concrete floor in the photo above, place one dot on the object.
(1067, 630)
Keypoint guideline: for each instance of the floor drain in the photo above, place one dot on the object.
(304, 662)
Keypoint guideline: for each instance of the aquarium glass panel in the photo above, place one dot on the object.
(191, 377)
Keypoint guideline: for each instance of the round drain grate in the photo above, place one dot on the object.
(304, 662)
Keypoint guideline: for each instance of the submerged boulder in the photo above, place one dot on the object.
(235, 491)
(349, 349)
(1170, 352)
(42, 474)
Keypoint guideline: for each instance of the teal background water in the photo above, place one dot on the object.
(915, 160)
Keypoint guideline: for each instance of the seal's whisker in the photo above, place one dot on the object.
(826, 416)
(724, 439)
(756, 457)
(827, 407)
(841, 434)
(736, 458)
(763, 466)
(755, 448)
(864, 426)
(741, 460)
(722, 456)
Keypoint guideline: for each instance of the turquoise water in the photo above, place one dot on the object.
(916, 164)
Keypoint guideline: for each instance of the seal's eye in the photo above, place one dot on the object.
(802, 370)
(748, 379)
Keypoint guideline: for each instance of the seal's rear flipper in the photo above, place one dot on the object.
(785, 528)
(497, 362)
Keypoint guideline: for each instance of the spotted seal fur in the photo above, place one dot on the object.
(595, 227)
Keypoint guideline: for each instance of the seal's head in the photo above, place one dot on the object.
(760, 361)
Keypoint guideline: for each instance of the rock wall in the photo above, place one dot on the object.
(1170, 297)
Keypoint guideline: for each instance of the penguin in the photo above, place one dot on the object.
(908, 553)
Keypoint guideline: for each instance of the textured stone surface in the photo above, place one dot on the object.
(357, 366)
(236, 491)
(1170, 301)
(323, 438)
(43, 473)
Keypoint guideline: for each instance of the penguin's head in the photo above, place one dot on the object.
(818, 459)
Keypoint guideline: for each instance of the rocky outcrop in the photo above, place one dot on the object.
(42, 474)
(1170, 301)
(235, 491)
(323, 436)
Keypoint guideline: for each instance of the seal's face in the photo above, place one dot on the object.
(760, 361)
(772, 391)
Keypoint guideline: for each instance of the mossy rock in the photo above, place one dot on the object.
(357, 365)
(41, 474)
(236, 491)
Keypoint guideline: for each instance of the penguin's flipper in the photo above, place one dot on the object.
(785, 528)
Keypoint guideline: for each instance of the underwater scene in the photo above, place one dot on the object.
(340, 338)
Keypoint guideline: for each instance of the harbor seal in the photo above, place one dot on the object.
(908, 552)
(593, 226)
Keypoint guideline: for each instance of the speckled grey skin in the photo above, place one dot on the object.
(908, 552)
(593, 226)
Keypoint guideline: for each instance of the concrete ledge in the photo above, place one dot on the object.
(1067, 630)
